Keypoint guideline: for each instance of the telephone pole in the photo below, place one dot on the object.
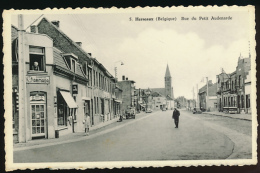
(22, 82)
(207, 97)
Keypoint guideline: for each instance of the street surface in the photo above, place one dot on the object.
(154, 137)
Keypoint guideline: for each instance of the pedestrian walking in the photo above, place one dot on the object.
(87, 123)
(175, 116)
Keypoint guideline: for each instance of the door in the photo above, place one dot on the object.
(38, 120)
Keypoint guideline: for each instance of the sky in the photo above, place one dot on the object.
(192, 49)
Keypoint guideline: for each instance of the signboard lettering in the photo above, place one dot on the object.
(38, 79)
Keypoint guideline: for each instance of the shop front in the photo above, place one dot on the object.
(67, 112)
(38, 114)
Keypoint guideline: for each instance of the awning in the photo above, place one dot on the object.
(68, 99)
(142, 105)
(119, 101)
(86, 98)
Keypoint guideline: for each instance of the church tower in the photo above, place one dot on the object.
(168, 83)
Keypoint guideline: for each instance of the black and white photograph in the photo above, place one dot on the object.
(133, 87)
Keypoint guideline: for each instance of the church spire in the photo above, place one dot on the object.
(167, 74)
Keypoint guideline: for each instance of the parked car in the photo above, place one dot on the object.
(149, 110)
(130, 113)
(196, 111)
(163, 109)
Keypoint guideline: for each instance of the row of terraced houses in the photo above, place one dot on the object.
(63, 82)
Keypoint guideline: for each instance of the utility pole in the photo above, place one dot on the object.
(197, 103)
(22, 82)
(207, 97)
(193, 97)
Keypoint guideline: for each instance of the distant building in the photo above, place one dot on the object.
(167, 91)
(208, 102)
(128, 93)
(159, 101)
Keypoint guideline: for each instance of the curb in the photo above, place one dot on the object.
(76, 139)
(226, 116)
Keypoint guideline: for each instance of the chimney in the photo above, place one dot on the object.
(56, 23)
(123, 77)
(79, 44)
(90, 54)
(34, 29)
(126, 78)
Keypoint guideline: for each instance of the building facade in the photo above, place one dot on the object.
(63, 83)
(101, 99)
(234, 89)
(52, 88)
(128, 93)
(208, 97)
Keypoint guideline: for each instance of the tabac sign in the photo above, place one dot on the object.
(38, 79)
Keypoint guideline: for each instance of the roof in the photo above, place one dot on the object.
(126, 81)
(159, 90)
(61, 32)
(60, 61)
(77, 46)
(212, 89)
(167, 73)
(156, 94)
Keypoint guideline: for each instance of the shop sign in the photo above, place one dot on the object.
(75, 89)
(37, 97)
(38, 79)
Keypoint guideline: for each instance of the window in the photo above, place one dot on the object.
(90, 77)
(71, 63)
(37, 58)
(94, 80)
(242, 101)
(239, 81)
(248, 101)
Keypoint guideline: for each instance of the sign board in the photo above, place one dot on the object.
(38, 79)
(37, 97)
(75, 89)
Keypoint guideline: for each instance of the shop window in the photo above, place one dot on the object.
(37, 58)
(62, 111)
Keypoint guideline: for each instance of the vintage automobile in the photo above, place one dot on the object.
(230, 110)
(149, 110)
(130, 113)
(196, 111)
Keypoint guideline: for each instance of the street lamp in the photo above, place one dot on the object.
(121, 63)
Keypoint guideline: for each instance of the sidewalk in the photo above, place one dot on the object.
(102, 127)
(247, 117)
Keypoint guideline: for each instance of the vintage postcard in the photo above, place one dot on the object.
(136, 87)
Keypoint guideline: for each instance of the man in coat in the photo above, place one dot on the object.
(175, 116)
